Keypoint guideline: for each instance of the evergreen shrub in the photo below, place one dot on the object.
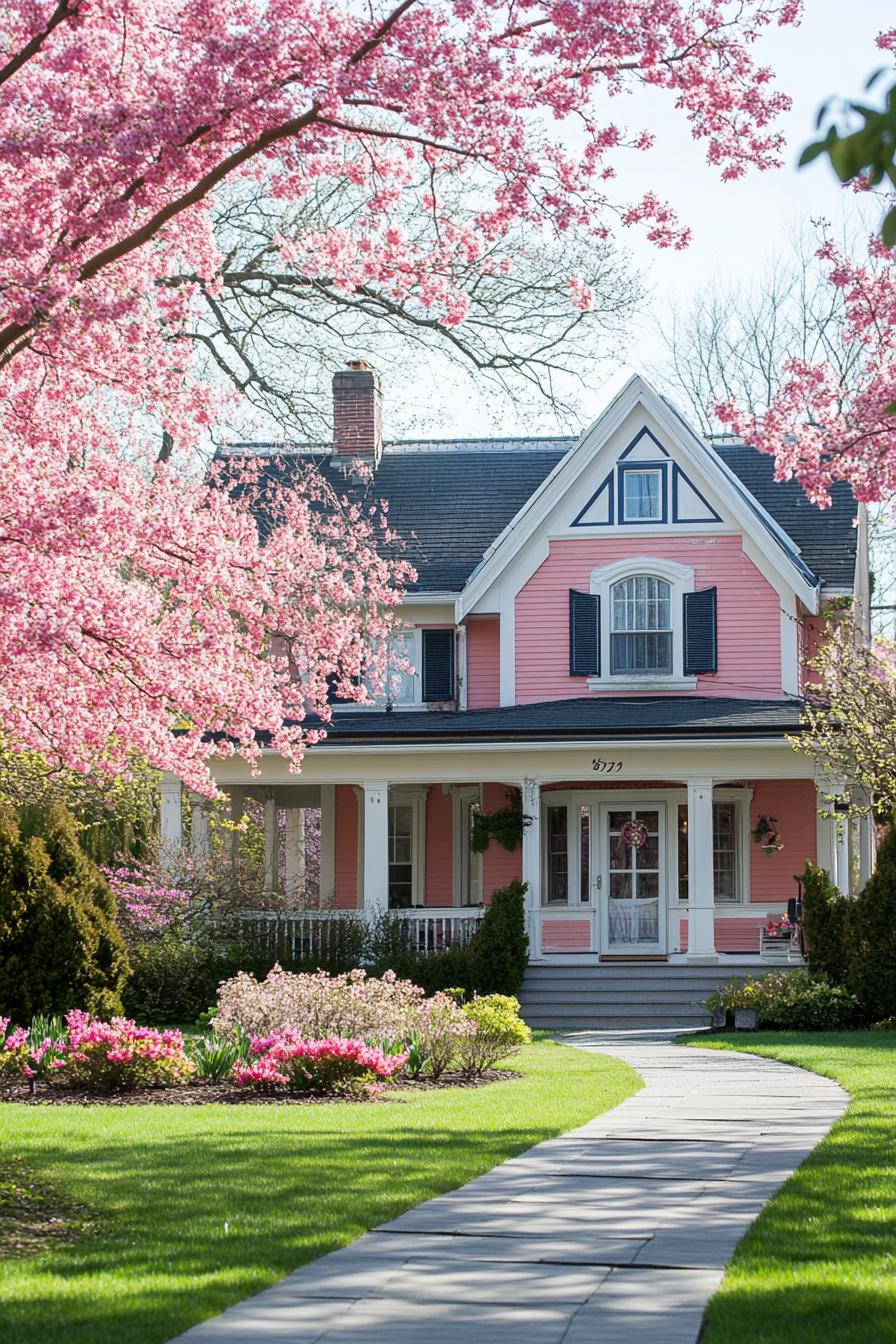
(59, 944)
(827, 922)
(871, 959)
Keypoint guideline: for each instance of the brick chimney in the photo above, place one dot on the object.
(357, 412)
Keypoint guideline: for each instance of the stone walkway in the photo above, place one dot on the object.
(615, 1233)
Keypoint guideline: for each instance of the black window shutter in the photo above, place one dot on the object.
(700, 644)
(438, 665)
(584, 634)
(332, 697)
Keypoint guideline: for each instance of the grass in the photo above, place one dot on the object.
(195, 1208)
(819, 1264)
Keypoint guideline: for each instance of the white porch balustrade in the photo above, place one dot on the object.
(303, 935)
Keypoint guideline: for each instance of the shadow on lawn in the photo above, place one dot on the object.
(221, 1214)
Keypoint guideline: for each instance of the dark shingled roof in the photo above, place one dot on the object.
(594, 718)
(826, 537)
(451, 499)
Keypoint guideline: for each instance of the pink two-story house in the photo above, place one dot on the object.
(609, 632)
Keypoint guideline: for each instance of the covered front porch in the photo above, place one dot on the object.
(630, 851)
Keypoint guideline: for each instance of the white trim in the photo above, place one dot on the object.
(681, 580)
(739, 506)
(461, 800)
(414, 796)
(327, 840)
(790, 646)
(461, 656)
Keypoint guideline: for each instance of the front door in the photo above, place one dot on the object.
(631, 865)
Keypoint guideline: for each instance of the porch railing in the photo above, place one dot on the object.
(306, 935)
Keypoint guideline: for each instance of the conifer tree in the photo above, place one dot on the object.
(872, 976)
(59, 945)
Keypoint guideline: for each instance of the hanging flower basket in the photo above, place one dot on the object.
(634, 834)
(766, 835)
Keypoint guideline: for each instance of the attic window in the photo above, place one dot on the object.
(642, 495)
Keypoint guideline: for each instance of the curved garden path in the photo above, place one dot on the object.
(615, 1233)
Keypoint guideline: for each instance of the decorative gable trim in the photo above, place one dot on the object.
(688, 504)
(599, 511)
(647, 451)
(508, 563)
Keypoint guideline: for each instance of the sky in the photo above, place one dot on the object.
(737, 226)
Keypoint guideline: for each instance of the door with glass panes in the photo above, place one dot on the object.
(604, 866)
(631, 873)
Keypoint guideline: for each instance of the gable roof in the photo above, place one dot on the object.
(452, 499)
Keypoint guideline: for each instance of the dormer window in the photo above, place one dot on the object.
(641, 627)
(642, 494)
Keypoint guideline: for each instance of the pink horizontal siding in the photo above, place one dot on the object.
(499, 866)
(566, 935)
(483, 662)
(345, 865)
(731, 935)
(793, 803)
(749, 634)
(439, 847)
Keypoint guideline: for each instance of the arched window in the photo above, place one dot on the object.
(641, 627)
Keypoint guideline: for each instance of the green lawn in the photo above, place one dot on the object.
(194, 1208)
(820, 1261)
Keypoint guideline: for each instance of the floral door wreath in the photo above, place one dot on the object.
(634, 834)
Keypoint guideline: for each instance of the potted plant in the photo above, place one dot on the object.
(734, 1005)
(765, 834)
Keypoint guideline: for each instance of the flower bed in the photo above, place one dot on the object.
(400, 1034)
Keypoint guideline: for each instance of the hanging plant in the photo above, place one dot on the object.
(506, 826)
(766, 835)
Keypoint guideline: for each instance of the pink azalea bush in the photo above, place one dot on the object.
(285, 1060)
(119, 1056)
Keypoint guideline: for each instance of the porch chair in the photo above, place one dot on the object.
(784, 946)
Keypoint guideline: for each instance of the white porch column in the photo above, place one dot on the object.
(531, 789)
(327, 842)
(236, 816)
(701, 895)
(271, 846)
(200, 829)
(172, 822)
(294, 853)
(374, 865)
(842, 824)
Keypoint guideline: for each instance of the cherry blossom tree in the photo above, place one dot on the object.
(136, 598)
(826, 423)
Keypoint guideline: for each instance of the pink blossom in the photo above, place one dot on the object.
(135, 597)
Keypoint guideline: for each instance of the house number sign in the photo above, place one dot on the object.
(601, 767)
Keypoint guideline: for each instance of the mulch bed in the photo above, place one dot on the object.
(204, 1094)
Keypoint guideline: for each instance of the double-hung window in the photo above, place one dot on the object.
(725, 852)
(641, 627)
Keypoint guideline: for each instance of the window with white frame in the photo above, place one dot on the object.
(641, 495)
(467, 865)
(401, 676)
(726, 852)
(641, 627)
(405, 846)
(639, 612)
